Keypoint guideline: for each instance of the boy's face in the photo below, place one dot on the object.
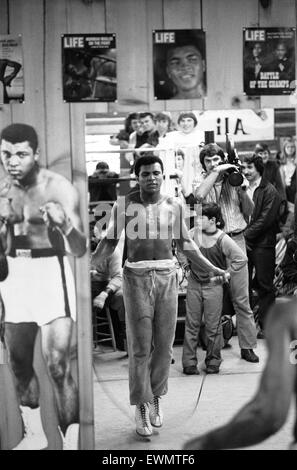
(207, 223)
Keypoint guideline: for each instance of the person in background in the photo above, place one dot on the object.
(287, 162)
(102, 190)
(236, 206)
(204, 298)
(271, 169)
(260, 234)
(106, 288)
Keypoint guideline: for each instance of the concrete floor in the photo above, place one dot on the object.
(221, 397)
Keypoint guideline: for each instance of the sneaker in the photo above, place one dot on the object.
(142, 419)
(249, 355)
(71, 438)
(190, 370)
(34, 435)
(155, 412)
(212, 369)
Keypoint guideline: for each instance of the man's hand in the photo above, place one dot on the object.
(54, 216)
(99, 301)
(221, 278)
(225, 167)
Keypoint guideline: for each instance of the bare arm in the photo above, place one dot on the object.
(206, 185)
(108, 244)
(64, 213)
(267, 411)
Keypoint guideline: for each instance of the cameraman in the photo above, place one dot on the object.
(236, 206)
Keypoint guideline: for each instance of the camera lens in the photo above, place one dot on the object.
(235, 178)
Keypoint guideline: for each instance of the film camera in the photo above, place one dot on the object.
(234, 175)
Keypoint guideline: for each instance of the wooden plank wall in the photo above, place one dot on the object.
(61, 125)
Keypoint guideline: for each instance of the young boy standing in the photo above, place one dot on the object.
(204, 297)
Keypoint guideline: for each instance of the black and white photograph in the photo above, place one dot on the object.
(268, 61)
(179, 64)
(148, 230)
(11, 69)
(89, 67)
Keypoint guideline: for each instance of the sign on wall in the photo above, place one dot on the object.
(89, 67)
(179, 64)
(268, 61)
(242, 124)
(11, 69)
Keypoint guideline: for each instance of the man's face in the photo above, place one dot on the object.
(185, 67)
(179, 162)
(250, 172)
(18, 159)
(257, 49)
(186, 124)
(150, 178)
(281, 52)
(212, 162)
(101, 173)
(147, 124)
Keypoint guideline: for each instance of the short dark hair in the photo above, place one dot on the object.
(257, 161)
(162, 117)
(210, 210)
(261, 147)
(187, 115)
(147, 160)
(145, 114)
(210, 150)
(19, 132)
(102, 166)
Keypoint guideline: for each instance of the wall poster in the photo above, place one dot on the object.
(11, 69)
(268, 61)
(89, 67)
(179, 64)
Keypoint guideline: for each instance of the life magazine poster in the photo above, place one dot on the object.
(11, 69)
(268, 61)
(89, 67)
(179, 64)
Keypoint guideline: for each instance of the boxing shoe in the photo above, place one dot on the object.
(34, 435)
(155, 412)
(71, 438)
(249, 355)
(142, 419)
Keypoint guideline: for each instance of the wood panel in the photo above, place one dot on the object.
(5, 109)
(23, 22)
(183, 15)
(84, 18)
(223, 22)
(128, 20)
(278, 14)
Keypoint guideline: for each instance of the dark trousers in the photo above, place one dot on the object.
(263, 260)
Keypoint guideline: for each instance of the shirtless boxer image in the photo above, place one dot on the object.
(151, 222)
(40, 221)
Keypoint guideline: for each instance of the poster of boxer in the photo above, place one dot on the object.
(89, 67)
(11, 69)
(179, 64)
(268, 61)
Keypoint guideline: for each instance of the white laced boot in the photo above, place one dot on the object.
(34, 435)
(70, 440)
(156, 414)
(143, 425)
